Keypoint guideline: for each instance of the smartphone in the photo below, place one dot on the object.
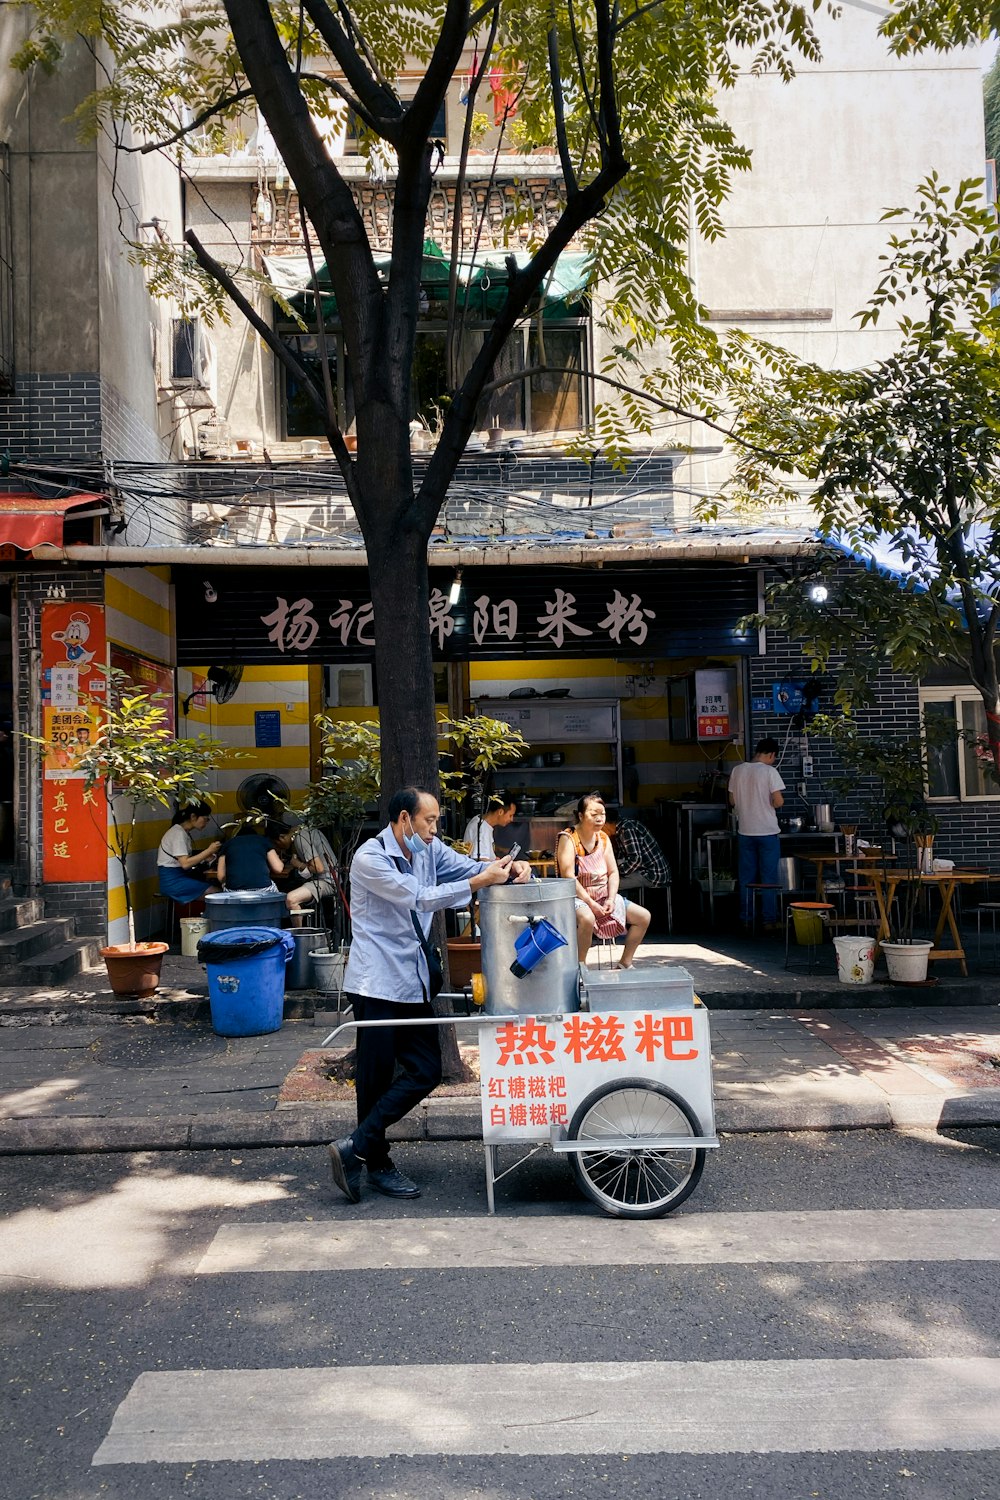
(513, 853)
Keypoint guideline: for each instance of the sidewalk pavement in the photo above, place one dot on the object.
(80, 1071)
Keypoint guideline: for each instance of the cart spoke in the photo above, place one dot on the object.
(634, 1181)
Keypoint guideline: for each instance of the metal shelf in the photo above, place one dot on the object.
(585, 723)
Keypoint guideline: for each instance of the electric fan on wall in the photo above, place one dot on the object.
(220, 683)
(263, 793)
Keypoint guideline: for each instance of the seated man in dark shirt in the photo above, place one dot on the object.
(641, 861)
(249, 861)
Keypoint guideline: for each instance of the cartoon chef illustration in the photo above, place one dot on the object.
(75, 638)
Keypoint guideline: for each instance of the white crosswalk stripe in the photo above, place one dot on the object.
(726, 1406)
(698, 1239)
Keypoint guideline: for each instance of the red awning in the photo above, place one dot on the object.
(27, 521)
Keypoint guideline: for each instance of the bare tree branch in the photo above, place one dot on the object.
(456, 222)
(195, 124)
(559, 108)
(378, 105)
(278, 347)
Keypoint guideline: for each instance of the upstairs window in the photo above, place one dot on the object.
(955, 773)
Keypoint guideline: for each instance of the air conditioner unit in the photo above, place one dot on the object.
(193, 362)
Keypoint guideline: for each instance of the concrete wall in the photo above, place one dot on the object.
(219, 213)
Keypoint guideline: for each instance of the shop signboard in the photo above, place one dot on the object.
(151, 676)
(326, 615)
(74, 685)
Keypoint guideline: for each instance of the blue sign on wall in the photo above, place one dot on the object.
(788, 697)
(267, 728)
(760, 705)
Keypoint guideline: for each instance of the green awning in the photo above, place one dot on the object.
(482, 282)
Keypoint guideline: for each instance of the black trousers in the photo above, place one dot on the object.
(397, 1066)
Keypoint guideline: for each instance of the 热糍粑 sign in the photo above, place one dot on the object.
(536, 1071)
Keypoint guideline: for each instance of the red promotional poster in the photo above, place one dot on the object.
(74, 683)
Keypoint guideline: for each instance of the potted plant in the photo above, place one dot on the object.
(134, 762)
(896, 767)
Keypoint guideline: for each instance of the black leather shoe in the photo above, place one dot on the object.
(393, 1183)
(345, 1164)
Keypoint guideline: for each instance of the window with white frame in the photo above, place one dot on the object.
(955, 772)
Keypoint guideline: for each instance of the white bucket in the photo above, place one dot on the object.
(855, 958)
(328, 969)
(192, 928)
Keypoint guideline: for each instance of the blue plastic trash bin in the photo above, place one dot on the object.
(246, 978)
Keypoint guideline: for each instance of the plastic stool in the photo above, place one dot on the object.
(758, 889)
(821, 911)
(991, 908)
(179, 909)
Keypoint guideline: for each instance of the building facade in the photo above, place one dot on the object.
(221, 559)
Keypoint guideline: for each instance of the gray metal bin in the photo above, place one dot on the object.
(638, 989)
(504, 912)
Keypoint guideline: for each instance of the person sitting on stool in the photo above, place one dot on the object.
(177, 859)
(249, 861)
(306, 852)
(501, 811)
(641, 861)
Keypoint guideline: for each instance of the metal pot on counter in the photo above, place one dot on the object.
(795, 825)
(822, 815)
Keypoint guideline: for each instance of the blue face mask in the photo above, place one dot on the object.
(413, 841)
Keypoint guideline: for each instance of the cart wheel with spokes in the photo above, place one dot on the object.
(635, 1182)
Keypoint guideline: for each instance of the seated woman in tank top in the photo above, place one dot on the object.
(584, 853)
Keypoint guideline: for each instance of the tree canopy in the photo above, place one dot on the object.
(900, 461)
(626, 93)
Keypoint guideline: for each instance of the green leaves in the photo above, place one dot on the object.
(136, 762)
(904, 452)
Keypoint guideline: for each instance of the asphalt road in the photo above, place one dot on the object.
(819, 1321)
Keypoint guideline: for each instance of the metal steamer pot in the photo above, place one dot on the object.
(822, 812)
(553, 987)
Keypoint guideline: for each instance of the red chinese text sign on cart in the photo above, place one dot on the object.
(535, 1071)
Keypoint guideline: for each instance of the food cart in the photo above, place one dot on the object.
(612, 1069)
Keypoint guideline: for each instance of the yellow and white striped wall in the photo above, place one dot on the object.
(294, 691)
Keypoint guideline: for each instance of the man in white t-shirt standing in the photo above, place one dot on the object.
(755, 789)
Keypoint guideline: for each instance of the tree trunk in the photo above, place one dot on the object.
(398, 573)
(408, 729)
(992, 707)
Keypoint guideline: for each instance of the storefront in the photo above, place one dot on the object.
(630, 680)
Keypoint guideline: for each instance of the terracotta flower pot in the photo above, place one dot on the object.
(134, 971)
